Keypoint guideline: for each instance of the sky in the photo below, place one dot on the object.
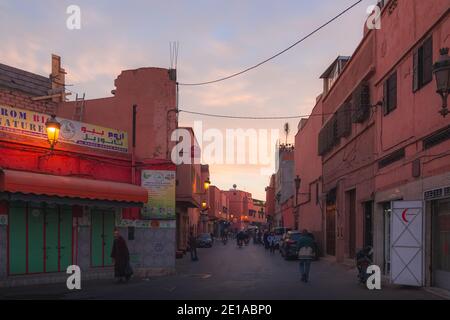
(216, 38)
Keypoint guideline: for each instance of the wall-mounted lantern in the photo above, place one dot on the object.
(441, 70)
(278, 197)
(207, 183)
(52, 127)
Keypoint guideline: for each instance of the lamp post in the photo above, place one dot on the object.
(52, 127)
(441, 70)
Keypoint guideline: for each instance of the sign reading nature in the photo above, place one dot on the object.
(30, 123)
(161, 190)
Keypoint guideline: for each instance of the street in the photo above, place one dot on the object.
(227, 272)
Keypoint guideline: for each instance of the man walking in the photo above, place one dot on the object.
(305, 254)
(193, 247)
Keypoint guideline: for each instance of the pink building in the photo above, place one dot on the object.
(381, 139)
(411, 136)
(308, 167)
(270, 201)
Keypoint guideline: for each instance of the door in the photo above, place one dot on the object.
(368, 223)
(102, 228)
(35, 240)
(65, 237)
(387, 237)
(407, 243)
(17, 224)
(351, 205)
(331, 230)
(441, 244)
(109, 223)
(51, 239)
(40, 238)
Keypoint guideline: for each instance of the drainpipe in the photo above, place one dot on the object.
(133, 147)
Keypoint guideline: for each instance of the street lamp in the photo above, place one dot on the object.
(52, 127)
(207, 183)
(204, 204)
(278, 197)
(441, 70)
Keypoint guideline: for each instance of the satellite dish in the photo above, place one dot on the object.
(234, 186)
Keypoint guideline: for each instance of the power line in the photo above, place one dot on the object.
(259, 118)
(277, 54)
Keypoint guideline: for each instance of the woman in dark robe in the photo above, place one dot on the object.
(121, 257)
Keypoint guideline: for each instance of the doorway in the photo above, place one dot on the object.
(351, 214)
(368, 223)
(102, 228)
(387, 237)
(40, 238)
(440, 260)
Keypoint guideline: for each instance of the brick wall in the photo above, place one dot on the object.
(22, 100)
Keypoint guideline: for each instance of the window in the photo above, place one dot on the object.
(390, 93)
(423, 64)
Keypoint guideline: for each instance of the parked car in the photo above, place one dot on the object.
(204, 240)
(289, 244)
(279, 233)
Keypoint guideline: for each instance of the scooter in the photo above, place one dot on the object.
(363, 261)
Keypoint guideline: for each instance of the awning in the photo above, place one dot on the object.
(72, 187)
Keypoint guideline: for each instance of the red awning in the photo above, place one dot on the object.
(71, 187)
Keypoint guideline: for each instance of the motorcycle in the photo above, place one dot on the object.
(363, 261)
(239, 242)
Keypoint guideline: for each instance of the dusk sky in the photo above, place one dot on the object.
(216, 38)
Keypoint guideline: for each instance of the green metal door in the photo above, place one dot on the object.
(17, 238)
(35, 240)
(102, 228)
(97, 238)
(108, 232)
(65, 237)
(51, 239)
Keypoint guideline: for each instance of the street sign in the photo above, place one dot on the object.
(407, 243)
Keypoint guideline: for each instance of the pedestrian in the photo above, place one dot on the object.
(305, 254)
(271, 238)
(121, 258)
(193, 247)
(266, 240)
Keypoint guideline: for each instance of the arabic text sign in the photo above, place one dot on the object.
(30, 123)
(161, 189)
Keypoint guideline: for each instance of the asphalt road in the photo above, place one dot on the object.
(227, 272)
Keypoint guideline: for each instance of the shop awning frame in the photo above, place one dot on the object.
(47, 185)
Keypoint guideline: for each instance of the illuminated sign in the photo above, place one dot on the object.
(30, 123)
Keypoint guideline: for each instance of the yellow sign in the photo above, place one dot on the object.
(30, 123)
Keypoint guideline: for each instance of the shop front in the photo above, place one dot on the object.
(52, 222)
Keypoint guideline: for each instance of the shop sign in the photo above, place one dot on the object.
(32, 124)
(161, 190)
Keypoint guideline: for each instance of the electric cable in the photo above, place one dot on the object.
(277, 54)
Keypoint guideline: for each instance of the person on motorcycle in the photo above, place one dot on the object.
(240, 238)
(363, 260)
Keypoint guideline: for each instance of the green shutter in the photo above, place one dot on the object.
(35, 240)
(17, 238)
(97, 238)
(51, 239)
(65, 234)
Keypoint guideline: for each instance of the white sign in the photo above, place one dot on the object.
(407, 243)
